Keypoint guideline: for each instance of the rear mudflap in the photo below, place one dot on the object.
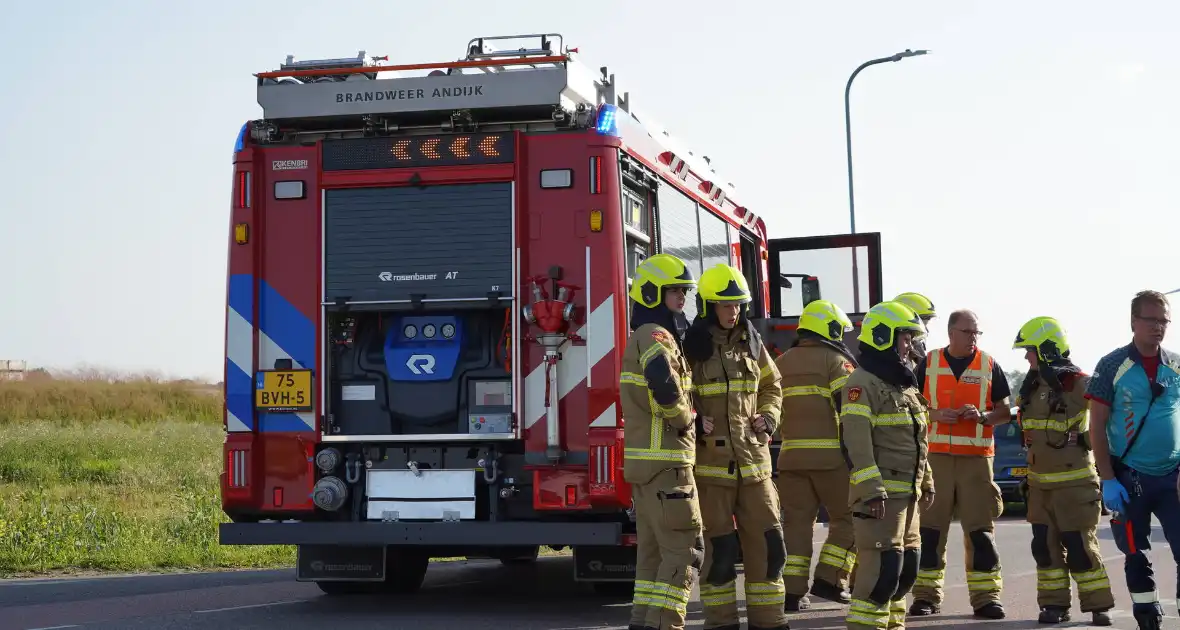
(604, 563)
(340, 563)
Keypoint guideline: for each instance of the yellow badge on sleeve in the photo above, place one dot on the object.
(853, 394)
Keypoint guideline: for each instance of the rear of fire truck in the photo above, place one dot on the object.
(415, 320)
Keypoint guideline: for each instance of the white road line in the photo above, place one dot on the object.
(213, 610)
(54, 627)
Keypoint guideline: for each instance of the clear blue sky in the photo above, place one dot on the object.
(1025, 167)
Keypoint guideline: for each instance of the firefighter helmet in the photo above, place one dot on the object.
(825, 319)
(883, 322)
(1044, 334)
(918, 303)
(721, 283)
(656, 273)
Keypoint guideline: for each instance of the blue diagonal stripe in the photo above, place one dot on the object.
(290, 329)
(241, 295)
(239, 396)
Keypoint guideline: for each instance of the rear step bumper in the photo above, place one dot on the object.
(440, 534)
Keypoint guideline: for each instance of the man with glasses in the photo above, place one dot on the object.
(1135, 412)
(968, 395)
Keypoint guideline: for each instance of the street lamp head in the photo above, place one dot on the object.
(909, 53)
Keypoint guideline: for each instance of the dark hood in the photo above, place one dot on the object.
(1053, 373)
(886, 365)
(661, 315)
(699, 340)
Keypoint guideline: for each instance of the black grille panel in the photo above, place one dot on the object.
(417, 151)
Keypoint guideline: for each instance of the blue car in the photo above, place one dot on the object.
(1011, 463)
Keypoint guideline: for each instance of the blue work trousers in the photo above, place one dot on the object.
(1149, 495)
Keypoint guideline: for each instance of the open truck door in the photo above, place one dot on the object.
(804, 269)
(810, 268)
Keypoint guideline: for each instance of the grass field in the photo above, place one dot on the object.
(105, 474)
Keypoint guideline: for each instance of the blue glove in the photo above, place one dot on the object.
(1114, 495)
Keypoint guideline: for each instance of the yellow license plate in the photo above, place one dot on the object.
(1018, 472)
(283, 390)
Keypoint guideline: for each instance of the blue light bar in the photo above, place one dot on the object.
(607, 125)
(241, 142)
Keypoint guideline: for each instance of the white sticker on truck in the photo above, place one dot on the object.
(358, 392)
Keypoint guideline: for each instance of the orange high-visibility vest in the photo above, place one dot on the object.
(943, 391)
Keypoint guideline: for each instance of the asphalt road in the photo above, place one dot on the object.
(475, 595)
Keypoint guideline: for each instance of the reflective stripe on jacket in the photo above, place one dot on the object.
(944, 391)
(812, 375)
(1057, 435)
(654, 390)
(884, 432)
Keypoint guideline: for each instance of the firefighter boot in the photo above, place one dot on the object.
(830, 592)
(796, 603)
(1053, 614)
(1100, 618)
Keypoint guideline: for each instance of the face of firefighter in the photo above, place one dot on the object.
(905, 342)
(727, 313)
(675, 298)
(1030, 355)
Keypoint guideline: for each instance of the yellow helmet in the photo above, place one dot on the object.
(825, 319)
(657, 273)
(883, 321)
(1046, 335)
(721, 283)
(918, 303)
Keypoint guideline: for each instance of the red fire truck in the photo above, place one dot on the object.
(428, 274)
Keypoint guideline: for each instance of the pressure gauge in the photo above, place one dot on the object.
(410, 331)
(428, 331)
(448, 330)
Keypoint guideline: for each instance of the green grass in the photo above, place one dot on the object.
(101, 474)
(112, 496)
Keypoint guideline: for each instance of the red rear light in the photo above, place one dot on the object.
(243, 186)
(602, 466)
(560, 489)
(607, 488)
(277, 495)
(237, 468)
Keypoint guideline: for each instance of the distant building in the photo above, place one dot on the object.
(12, 370)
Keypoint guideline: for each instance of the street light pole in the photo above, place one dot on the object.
(848, 140)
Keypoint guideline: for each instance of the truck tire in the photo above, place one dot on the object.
(405, 569)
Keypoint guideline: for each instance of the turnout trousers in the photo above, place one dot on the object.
(886, 566)
(964, 486)
(1065, 544)
(669, 549)
(755, 509)
(801, 493)
(1149, 496)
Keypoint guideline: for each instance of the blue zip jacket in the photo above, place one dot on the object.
(1121, 382)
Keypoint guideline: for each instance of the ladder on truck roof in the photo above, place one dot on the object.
(534, 83)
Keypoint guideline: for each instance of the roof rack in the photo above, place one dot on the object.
(540, 79)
